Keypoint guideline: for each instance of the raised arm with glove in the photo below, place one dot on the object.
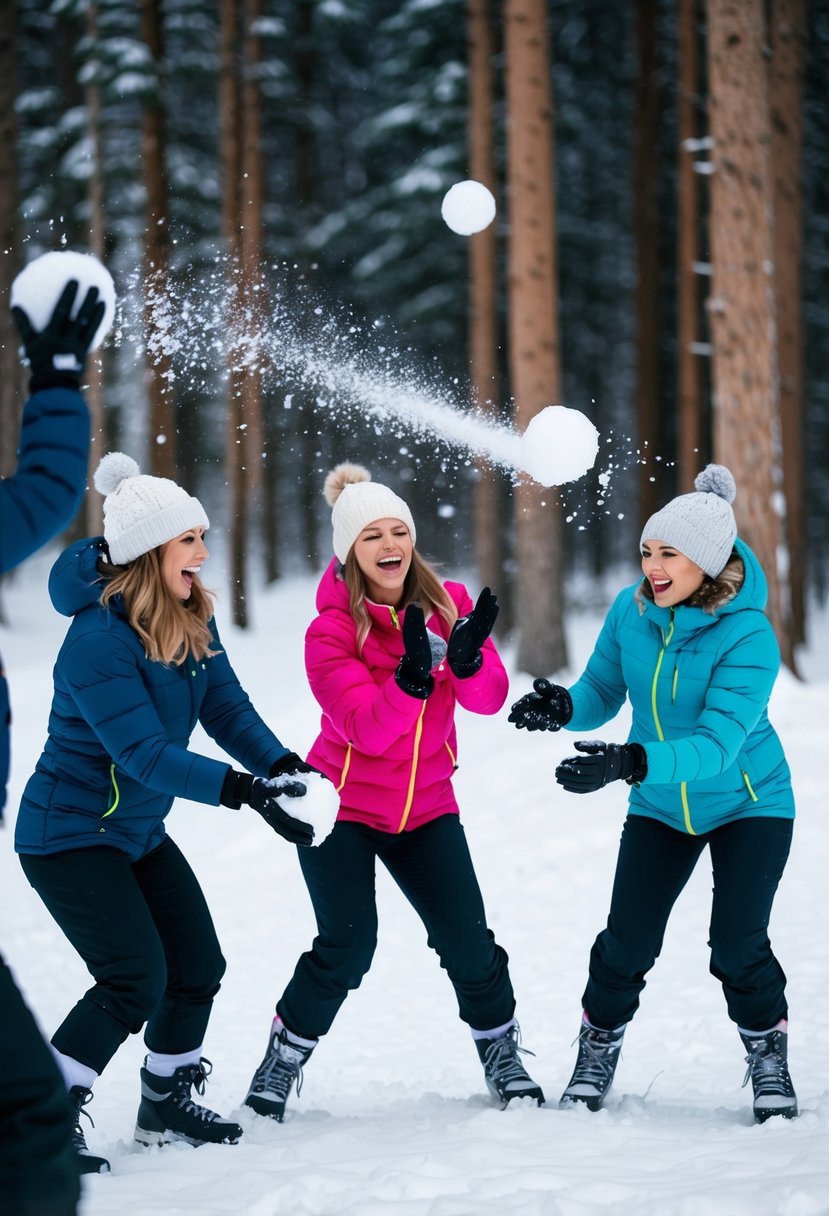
(548, 707)
(56, 354)
(463, 652)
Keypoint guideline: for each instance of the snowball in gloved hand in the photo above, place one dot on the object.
(318, 805)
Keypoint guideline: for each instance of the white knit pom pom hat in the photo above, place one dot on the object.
(142, 512)
(356, 501)
(701, 525)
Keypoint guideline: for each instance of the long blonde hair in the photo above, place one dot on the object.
(421, 584)
(170, 629)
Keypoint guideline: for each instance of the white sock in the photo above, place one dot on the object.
(497, 1032)
(277, 1025)
(161, 1065)
(73, 1072)
(758, 1034)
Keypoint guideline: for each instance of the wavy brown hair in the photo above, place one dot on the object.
(712, 593)
(421, 584)
(170, 629)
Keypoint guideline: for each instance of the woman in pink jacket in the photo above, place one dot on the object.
(390, 653)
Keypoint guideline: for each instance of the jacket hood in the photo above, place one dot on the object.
(74, 581)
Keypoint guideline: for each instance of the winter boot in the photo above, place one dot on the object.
(88, 1163)
(506, 1077)
(273, 1079)
(595, 1065)
(167, 1111)
(769, 1071)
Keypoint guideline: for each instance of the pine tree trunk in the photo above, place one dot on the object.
(646, 233)
(12, 378)
(746, 413)
(788, 38)
(93, 507)
(483, 307)
(689, 441)
(533, 326)
(162, 423)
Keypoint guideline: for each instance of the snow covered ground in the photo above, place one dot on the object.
(394, 1116)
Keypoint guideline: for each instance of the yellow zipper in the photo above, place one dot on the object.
(116, 791)
(683, 787)
(346, 767)
(413, 773)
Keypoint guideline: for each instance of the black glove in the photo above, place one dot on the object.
(549, 707)
(601, 763)
(291, 765)
(413, 671)
(57, 352)
(463, 653)
(262, 796)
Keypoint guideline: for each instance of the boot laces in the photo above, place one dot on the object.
(767, 1069)
(279, 1069)
(194, 1076)
(501, 1060)
(83, 1100)
(596, 1061)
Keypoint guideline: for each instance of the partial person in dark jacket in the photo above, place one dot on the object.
(38, 1171)
(141, 664)
(692, 649)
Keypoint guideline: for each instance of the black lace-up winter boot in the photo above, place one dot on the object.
(275, 1076)
(595, 1066)
(506, 1077)
(88, 1163)
(168, 1112)
(769, 1072)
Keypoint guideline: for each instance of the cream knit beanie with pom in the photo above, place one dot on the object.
(142, 512)
(356, 501)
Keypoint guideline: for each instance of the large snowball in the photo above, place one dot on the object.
(317, 806)
(558, 446)
(468, 207)
(38, 286)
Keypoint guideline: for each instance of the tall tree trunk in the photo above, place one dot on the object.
(533, 329)
(250, 247)
(746, 415)
(93, 512)
(12, 378)
(235, 435)
(646, 233)
(162, 424)
(788, 37)
(483, 295)
(689, 443)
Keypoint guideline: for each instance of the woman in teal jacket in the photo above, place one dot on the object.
(141, 664)
(692, 649)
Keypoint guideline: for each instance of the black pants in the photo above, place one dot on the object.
(38, 1169)
(144, 930)
(433, 869)
(748, 857)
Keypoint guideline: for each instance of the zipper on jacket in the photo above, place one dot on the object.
(116, 793)
(413, 773)
(749, 787)
(683, 786)
(346, 767)
(395, 618)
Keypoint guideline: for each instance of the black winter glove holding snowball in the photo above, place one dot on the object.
(56, 353)
(263, 796)
(548, 707)
(601, 763)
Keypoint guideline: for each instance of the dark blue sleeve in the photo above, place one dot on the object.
(44, 493)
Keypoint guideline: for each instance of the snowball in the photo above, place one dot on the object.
(468, 207)
(558, 446)
(317, 806)
(38, 286)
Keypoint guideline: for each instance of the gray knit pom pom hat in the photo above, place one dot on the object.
(700, 525)
(357, 501)
(142, 512)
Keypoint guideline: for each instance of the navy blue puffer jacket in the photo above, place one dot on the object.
(117, 751)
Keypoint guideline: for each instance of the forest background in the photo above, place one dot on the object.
(264, 177)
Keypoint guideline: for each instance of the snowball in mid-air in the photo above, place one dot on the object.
(38, 286)
(468, 207)
(317, 806)
(558, 446)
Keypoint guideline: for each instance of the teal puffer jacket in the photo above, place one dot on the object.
(699, 686)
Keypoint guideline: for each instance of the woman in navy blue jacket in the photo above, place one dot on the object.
(141, 664)
(37, 1162)
(692, 649)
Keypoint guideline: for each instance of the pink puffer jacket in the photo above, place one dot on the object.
(390, 755)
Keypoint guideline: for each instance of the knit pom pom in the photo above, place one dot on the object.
(343, 475)
(716, 479)
(113, 469)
